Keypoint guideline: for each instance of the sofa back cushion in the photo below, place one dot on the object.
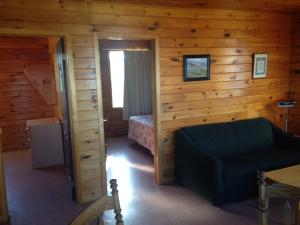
(253, 134)
(213, 139)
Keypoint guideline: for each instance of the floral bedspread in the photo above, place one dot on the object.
(141, 130)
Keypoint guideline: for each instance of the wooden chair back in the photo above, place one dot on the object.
(95, 211)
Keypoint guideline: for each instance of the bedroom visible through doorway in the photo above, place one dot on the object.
(127, 78)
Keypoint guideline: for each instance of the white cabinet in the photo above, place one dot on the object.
(45, 137)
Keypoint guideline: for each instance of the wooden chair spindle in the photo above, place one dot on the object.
(116, 202)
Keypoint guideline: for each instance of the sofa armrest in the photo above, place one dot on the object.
(198, 170)
(284, 139)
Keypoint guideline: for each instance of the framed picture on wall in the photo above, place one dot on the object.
(196, 67)
(260, 66)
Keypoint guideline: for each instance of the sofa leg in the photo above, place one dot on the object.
(263, 201)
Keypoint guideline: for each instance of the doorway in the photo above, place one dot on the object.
(35, 120)
(129, 105)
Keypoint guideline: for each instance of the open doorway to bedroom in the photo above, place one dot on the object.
(128, 78)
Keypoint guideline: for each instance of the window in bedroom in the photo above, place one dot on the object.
(116, 59)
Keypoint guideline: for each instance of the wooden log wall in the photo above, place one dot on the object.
(231, 94)
(230, 37)
(3, 197)
(294, 114)
(19, 99)
(42, 78)
(90, 118)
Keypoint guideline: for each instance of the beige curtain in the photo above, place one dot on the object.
(137, 84)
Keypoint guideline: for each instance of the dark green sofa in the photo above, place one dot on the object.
(220, 161)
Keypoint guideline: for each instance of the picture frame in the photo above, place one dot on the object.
(260, 66)
(196, 67)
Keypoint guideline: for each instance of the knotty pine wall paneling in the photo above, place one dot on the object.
(19, 99)
(294, 114)
(230, 37)
(3, 196)
(271, 5)
(89, 140)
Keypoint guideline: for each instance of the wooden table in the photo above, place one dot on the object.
(282, 183)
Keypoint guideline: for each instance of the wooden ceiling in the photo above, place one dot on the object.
(261, 5)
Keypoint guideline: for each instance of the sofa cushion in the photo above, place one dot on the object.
(253, 135)
(213, 139)
(241, 166)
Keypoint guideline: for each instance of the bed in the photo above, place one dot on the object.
(141, 130)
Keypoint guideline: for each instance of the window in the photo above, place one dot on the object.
(116, 59)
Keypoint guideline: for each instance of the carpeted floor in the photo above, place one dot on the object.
(42, 197)
(37, 197)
